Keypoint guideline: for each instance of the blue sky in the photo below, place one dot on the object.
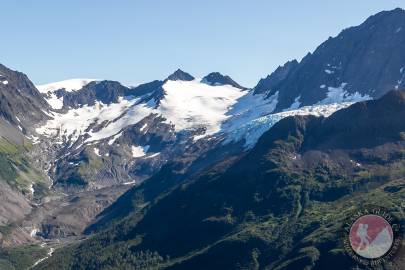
(138, 41)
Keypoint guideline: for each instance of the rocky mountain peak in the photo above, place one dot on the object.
(216, 78)
(180, 75)
(362, 62)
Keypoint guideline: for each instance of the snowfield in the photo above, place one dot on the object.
(71, 125)
(192, 104)
(221, 110)
(186, 105)
(68, 85)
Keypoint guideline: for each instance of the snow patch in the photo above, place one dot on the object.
(340, 95)
(97, 151)
(139, 151)
(152, 156)
(31, 189)
(55, 102)
(34, 232)
(129, 183)
(5, 82)
(143, 127)
(399, 83)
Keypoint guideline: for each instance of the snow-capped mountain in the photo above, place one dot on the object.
(71, 148)
(91, 121)
(103, 114)
(188, 105)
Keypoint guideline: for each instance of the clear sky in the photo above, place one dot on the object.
(137, 41)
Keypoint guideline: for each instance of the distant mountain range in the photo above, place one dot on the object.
(189, 173)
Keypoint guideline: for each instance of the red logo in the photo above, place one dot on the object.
(371, 236)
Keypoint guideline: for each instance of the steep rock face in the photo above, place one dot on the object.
(103, 91)
(363, 61)
(20, 102)
(279, 75)
(22, 108)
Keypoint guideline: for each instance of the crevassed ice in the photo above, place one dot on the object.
(251, 131)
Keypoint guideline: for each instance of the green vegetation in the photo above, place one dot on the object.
(16, 168)
(89, 165)
(6, 229)
(309, 217)
(20, 258)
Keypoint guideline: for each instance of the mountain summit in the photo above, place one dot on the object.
(216, 78)
(180, 75)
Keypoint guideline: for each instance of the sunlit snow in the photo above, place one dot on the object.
(74, 123)
(55, 102)
(97, 152)
(339, 95)
(193, 104)
(68, 85)
(188, 105)
(139, 151)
